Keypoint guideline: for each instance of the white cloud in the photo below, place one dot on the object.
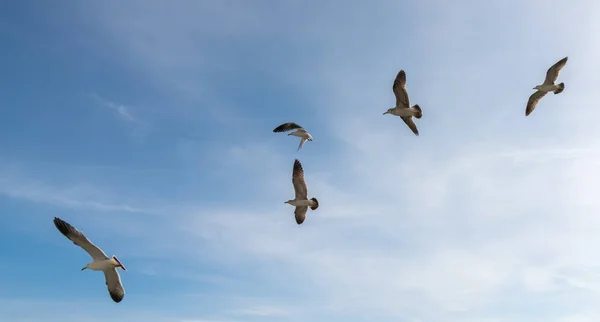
(121, 110)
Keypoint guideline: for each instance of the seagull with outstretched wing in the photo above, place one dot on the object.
(548, 86)
(301, 201)
(403, 108)
(300, 132)
(100, 262)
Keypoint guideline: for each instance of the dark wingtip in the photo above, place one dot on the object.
(316, 204)
(297, 165)
(117, 297)
(62, 226)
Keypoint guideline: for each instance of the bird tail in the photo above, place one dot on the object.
(419, 113)
(315, 205)
(561, 87)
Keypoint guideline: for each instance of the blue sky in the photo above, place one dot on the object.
(148, 126)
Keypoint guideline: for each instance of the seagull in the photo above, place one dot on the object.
(547, 86)
(402, 107)
(301, 132)
(101, 261)
(301, 202)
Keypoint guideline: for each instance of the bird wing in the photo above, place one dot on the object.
(399, 89)
(300, 213)
(287, 127)
(552, 73)
(533, 100)
(79, 239)
(298, 181)
(113, 282)
(302, 140)
(411, 124)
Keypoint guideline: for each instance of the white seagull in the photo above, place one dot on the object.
(547, 86)
(300, 132)
(301, 202)
(101, 261)
(402, 107)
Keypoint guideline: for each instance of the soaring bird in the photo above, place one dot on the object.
(100, 262)
(300, 132)
(547, 86)
(301, 201)
(402, 107)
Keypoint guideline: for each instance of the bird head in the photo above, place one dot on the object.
(389, 111)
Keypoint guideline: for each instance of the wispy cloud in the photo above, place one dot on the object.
(82, 197)
(121, 110)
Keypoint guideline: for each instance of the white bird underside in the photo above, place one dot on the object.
(301, 201)
(300, 132)
(548, 85)
(101, 262)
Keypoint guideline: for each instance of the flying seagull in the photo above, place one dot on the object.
(300, 132)
(101, 261)
(402, 107)
(547, 86)
(301, 202)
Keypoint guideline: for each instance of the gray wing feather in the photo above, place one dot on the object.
(411, 124)
(298, 181)
(399, 89)
(300, 214)
(79, 239)
(552, 73)
(113, 282)
(287, 127)
(302, 140)
(533, 100)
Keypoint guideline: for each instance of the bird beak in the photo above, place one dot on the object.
(385, 112)
(84, 268)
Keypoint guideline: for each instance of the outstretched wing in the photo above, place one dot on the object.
(399, 89)
(411, 124)
(298, 181)
(552, 73)
(300, 213)
(287, 127)
(533, 100)
(113, 282)
(301, 143)
(79, 239)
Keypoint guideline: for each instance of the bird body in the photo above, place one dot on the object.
(548, 86)
(102, 264)
(400, 111)
(301, 201)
